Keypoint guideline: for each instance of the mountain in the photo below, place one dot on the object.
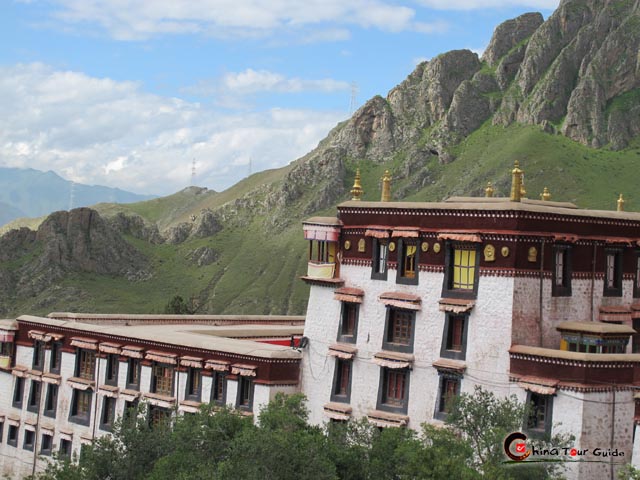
(33, 193)
(560, 95)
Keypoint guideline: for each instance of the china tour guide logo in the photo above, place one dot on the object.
(518, 450)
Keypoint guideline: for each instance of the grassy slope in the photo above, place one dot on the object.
(257, 270)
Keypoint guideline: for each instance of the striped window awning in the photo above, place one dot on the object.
(193, 362)
(340, 350)
(456, 305)
(348, 294)
(132, 351)
(108, 347)
(378, 232)
(337, 411)
(401, 300)
(80, 383)
(614, 314)
(447, 365)
(543, 386)
(6, 336)
(460, 237)
(109, 391)
(394, 360)
(386, 419)
(243, 370)
(162, 357)
(406, 232)
(86, 343)
(217, 365)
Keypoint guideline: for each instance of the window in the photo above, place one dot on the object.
(379, 260)
(342, 381)
(636, 283)
(46, 444)
(454, 338)
(56, 357)
(613, 272)
(635, 338)
(51, 401)
(80, 407)
(158, 416)
(394, 392)
(399, 330)
(461, 267)
(18, 392)
(348, 322)
(111, 373)
(194, 384)
(218, 388)
(85, 364)
(131, 408)
(561, 275)
(407, 262)
(108, 415)
(245, 394)
(162, 380)
(29, 440)
(133, 374)
(449, 390)
(6, 349)
(65, 448)
(33, 404)
(1, 431)
(322, 251)
(12, 436)
(38, 355)
(539, 414)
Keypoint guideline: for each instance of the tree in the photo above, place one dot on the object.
(178, 306)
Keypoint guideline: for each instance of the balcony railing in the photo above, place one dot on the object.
(321, 270)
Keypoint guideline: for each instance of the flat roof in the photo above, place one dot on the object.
(596, 327)
(8, 324)
(205, 337)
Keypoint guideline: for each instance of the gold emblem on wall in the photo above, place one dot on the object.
(425, 246)
(489, 253)
(347, 244)
(362, 245)
(505, 251)
(436, 247)
(533, 254)
(392, 246)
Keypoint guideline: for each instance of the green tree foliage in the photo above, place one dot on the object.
(178, 306)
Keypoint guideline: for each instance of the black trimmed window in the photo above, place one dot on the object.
(65, 448)
(193, 389)
(561, 275)
(131, 408)
(18, 392)
(162, 379)
(86, 364)
(379, 259)
(51, 401)
(158, 416)
(399, 330)
(348, 330)
(80, 411)
(636, 278)
(461, 270)
(1, 430)
(612, 272)
(407, 262)
(38, 355)
(111, 372)
(448, 390)
(454, 338)
(219, 388)
(12, 435)
(6, 350)
(341, 390)
(133, 373)
(108, 415)
(539, 415)
(33, 402)
(46, 444)
(393, 394)
(56, 357)
(29, 440)
(245, 394)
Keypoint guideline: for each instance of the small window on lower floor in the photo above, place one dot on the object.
(131, 409)
(539, 414)
(159, 416)
(245, 393)
(51, 401)
(29, 440)
(18, 392)
(218, 388)
(448, 391)
(46, 444)
(12, 435)
(394, 390)
(80, 411)
(108, 415)
(33, 404)
(342, 381)
(65, 448)
(454, 337)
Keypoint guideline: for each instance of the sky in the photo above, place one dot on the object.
(134, 93)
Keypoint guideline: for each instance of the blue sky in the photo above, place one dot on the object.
(127, 93)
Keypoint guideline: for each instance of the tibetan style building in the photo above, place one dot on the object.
(413, 303)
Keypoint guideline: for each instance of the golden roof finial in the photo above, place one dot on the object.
(545, 195)
(516, 182)
(488, 192)
(621, 204)
(356, 191)
(523, 191)
(386, 187)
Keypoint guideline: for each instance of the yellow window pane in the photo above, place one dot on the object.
(456, 277)
(411, 250)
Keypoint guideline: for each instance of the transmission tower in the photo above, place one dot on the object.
(354, 95)
(193, 172)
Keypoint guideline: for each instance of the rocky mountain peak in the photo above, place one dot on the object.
(509, 34)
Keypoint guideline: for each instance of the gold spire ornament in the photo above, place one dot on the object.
(356, 190)
(386, 187)
(545, 195)
(516, 182)
(488, 192)
(621, 204)
(523, 191)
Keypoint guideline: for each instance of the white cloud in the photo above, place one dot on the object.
(312, 20)
(484, 4)
(252, 81)
(100, 131)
